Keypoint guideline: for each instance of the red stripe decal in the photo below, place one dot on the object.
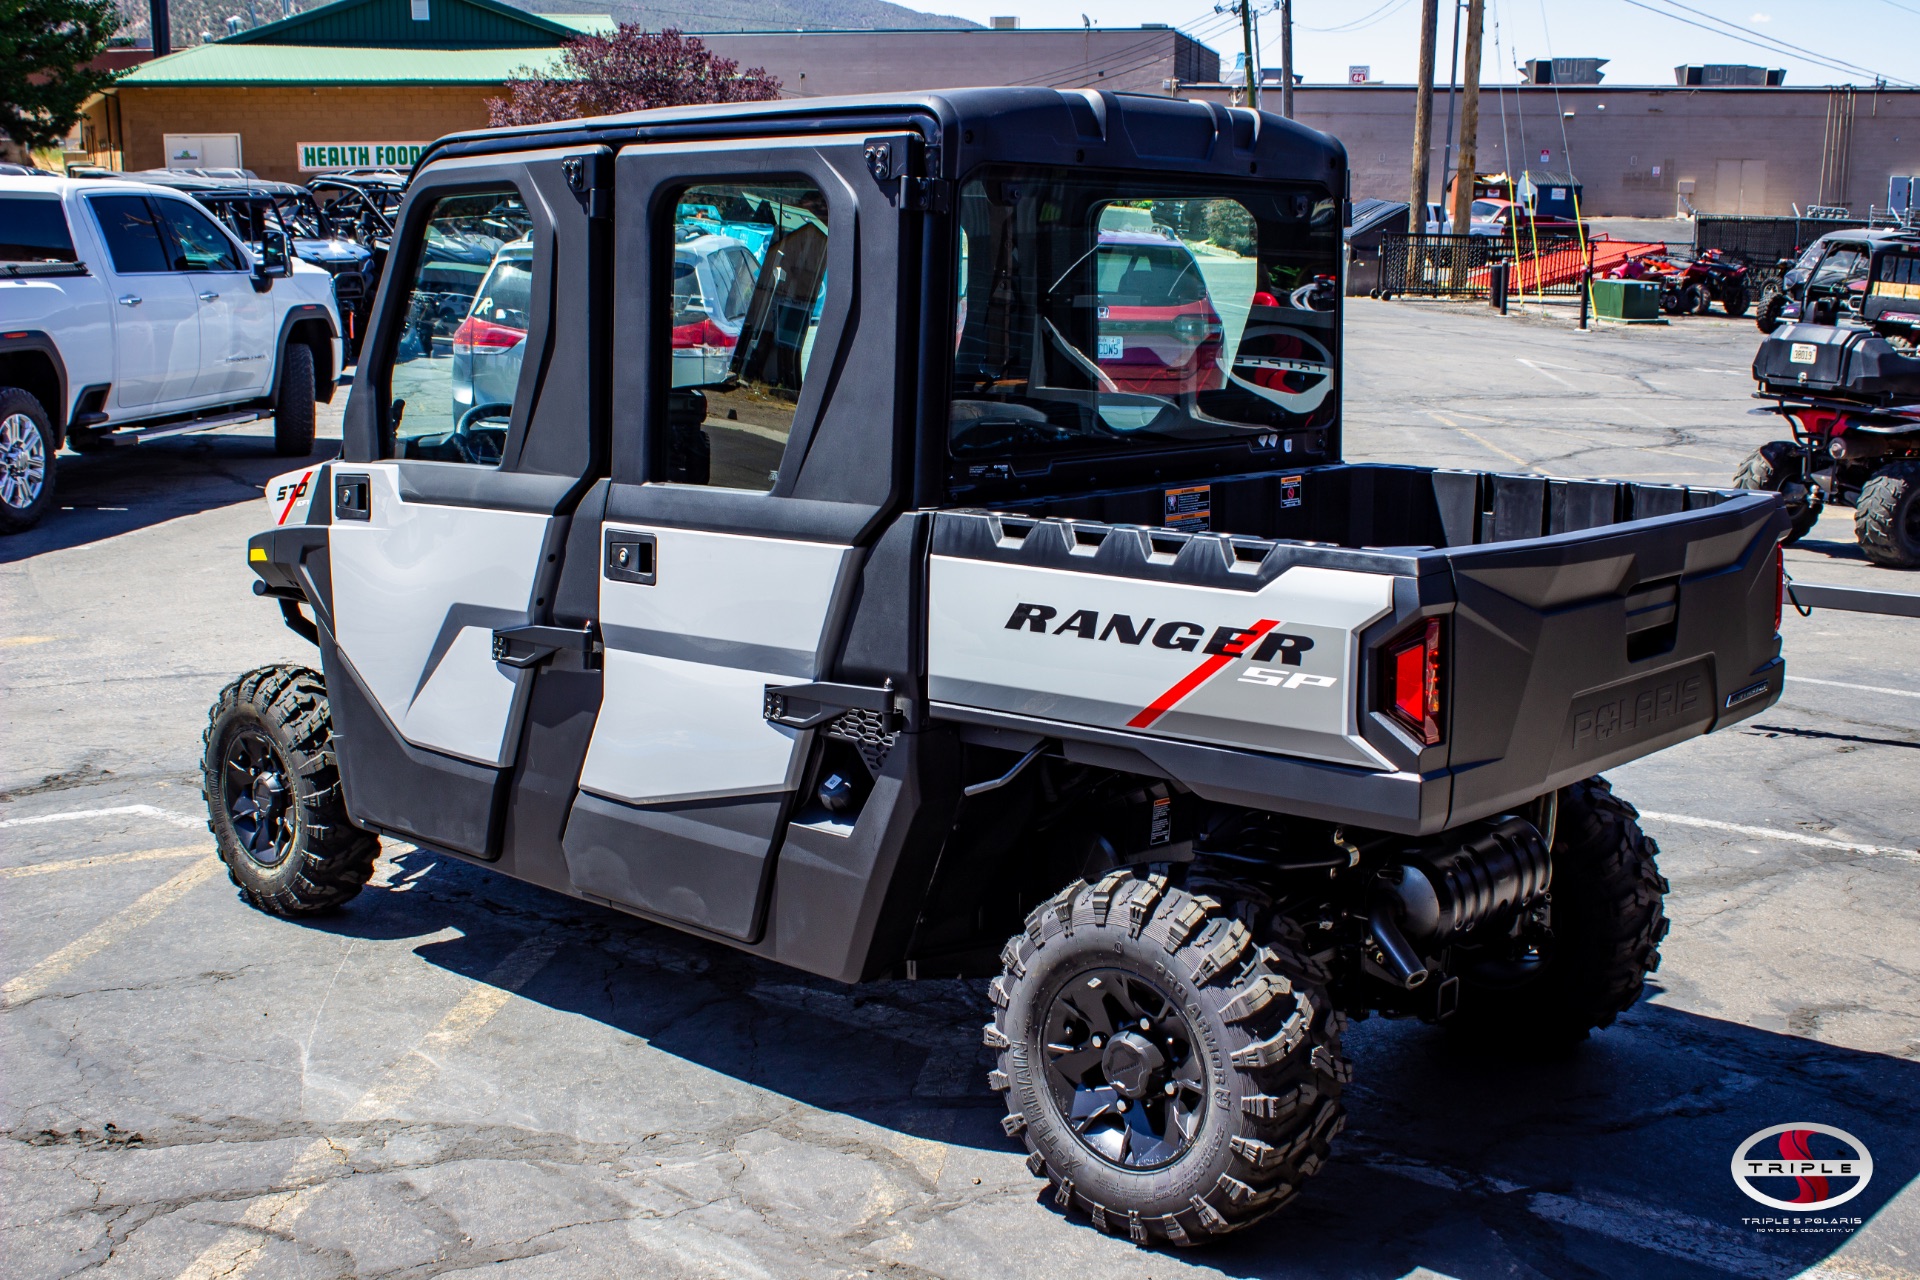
(1200, 675)
(297, 491)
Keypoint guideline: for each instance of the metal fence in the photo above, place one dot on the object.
(1451, 266)
(1763, 242)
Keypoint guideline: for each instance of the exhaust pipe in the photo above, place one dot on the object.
(1396, 954)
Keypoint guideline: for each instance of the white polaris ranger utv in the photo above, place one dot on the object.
(980, 561)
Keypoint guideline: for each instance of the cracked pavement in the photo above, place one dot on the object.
(460, 1073)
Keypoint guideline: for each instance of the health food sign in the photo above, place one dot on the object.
(320, 157)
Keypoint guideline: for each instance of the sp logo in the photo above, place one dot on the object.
(1802, 1167)
(1273, 678)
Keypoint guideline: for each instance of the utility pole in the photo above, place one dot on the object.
(1469, 122)
(1453, 86)
(1286, 58)
(1253, 74)
(162, 35)
(1423, 117)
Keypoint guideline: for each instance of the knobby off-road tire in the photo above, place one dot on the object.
(1607, 925)
(293, 408)
(1766, 469)
(274, 804)
(26, 460)
(1886, 519)
(1249, 1046)
(1737, 300)
(1772, 304)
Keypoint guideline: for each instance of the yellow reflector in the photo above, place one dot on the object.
(256, 555)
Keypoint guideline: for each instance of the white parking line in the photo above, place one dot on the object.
(1770, 833)
(1863, 688)
(97, 939)
(81, 815)
(103, 860)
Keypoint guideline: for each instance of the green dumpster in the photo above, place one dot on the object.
(1629, 301)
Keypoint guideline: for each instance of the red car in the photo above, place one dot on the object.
(1159, 333)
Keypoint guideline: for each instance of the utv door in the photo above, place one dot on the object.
(450, 505)
(746, 322)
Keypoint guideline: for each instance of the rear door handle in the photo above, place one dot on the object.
(631, 557)
(129, 299)
(209, 296)
(352, 498)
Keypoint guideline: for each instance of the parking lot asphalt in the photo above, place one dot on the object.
(458, 1073)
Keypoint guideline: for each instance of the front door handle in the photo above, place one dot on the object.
(209, 296)
(129, 299)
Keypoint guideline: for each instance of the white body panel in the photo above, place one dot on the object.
(418, 590)
(237, 333)
(156, 341)
(688, 660)
(1152, 674)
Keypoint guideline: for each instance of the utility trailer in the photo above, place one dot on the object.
(974, 586)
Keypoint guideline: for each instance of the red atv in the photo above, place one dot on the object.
(1691, 288)
(1868, 459)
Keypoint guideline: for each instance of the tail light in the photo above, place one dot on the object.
(701, 333)
(1410, 684)
(475, 334)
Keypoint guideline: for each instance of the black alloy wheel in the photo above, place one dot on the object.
(1122, 1070)
(259, 799)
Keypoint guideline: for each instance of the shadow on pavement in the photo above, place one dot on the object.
(1611, 1160)
(101, 495)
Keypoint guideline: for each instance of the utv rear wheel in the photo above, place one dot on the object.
(293, 410)
(1552, 985)
(1771, 468)
(272, 788)
(1886, 519)
(1170, 1077)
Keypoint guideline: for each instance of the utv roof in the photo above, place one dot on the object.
(1095, 128)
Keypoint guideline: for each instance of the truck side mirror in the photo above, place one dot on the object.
(274, 261)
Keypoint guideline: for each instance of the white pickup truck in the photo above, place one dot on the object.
(128, 312)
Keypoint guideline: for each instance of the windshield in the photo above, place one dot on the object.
(1099, 316)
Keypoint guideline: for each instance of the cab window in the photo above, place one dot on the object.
(462, 334)
(199, 243)
(133, 234)
(745, 286)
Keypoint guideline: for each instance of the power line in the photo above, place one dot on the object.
(1746, 35)
(1381, 14)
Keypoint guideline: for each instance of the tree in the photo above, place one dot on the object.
(629, 70)
(44, 48)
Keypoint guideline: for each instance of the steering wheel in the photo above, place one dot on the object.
(467, 443)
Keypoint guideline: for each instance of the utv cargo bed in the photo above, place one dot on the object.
(1584, 623)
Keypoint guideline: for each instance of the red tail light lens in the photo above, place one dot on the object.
(701, 333)
(475, 334)
(1411, 682)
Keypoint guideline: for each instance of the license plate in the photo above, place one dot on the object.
(1802, 353)
(1112, 348)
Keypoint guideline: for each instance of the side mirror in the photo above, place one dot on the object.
(274, 261)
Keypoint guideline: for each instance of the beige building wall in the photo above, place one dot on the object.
(272, 121)
(1636, 151)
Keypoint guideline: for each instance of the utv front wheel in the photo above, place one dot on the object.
(1585, 962)
(273, 795)
(1170, 1077)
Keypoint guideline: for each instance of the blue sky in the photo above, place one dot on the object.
(1645, 40)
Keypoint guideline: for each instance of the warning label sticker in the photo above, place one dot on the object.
(1189, 510)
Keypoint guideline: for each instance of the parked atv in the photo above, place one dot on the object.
(1851, 396)
(1713, 277)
